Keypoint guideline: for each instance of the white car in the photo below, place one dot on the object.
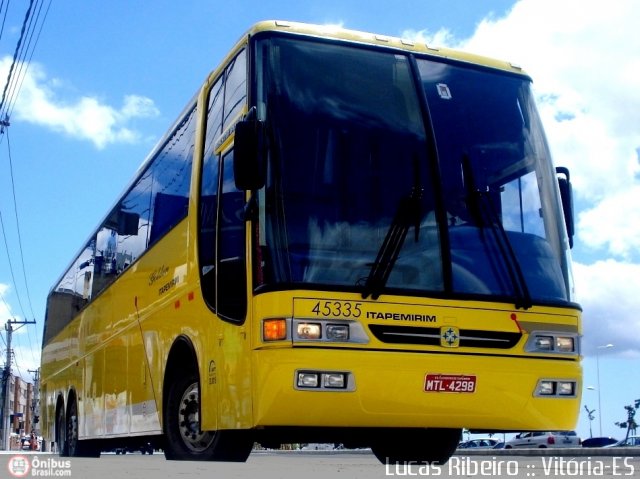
(544, 439)
(480, 443)
(631, 441)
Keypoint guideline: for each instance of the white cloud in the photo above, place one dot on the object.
(583, 58)
(620, 212)
(608, 293)
(85, 118)
(584, 62)
(441, 38)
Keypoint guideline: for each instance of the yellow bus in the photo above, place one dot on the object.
(345, 238)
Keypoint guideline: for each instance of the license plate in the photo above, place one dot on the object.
(449, 383)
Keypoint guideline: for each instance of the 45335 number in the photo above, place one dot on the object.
(340, 309)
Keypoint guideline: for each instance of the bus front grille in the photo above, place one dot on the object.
(468, 338)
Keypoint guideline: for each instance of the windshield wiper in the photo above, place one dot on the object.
(408, 214)
(482, 208)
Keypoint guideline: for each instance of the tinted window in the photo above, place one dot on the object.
(231, 264)
(171, 173)
(221, 227)
(235, 91)
(157, 201)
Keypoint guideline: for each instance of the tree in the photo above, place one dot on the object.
(630, 424)
(591, 418)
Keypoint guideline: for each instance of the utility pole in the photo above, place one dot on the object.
(35, 404)
(6, 382)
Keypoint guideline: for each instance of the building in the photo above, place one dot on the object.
(22, 410)
(19, 410)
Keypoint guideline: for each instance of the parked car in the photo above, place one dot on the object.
(544, 439)
(481, 443)
(631, 441)
(599, 442)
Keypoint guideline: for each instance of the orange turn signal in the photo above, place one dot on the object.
(274, 329)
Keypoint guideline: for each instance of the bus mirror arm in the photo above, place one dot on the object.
(566, 196)
(250, 212)
(249, 154)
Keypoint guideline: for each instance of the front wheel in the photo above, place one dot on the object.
(399, 446)
(184, 438)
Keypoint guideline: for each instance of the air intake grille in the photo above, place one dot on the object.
(469, 338)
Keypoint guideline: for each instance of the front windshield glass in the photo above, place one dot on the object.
(347, 150)
(350, 201)
(504, 228)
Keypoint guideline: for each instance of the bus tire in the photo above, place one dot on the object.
(185, 440)
(76, 447)
(399, 446)
(61, 430)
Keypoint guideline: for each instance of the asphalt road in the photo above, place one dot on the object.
(316, 464)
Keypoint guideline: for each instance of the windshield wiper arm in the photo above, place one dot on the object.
(408, 214)
(482, 207)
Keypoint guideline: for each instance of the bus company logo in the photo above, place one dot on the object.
(19, 466)
(449, 337)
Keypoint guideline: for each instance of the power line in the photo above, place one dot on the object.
(25, 63)
(25, 48)
(15, 55)
(4, 19)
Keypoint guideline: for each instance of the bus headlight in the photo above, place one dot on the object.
(327, 331)
(334, 380)
(544, 343)
(565, 344)
(546, 388)
(309, 331)
(338, 332)
(566, 388)
(553, 342)
(308, 380)
(556, 388)
(324, 381)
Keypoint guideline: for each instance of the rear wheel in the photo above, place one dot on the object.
(76, 447)
(61, 430)
(184, 438)
(399, 446)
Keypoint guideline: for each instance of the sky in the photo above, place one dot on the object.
(107, 79)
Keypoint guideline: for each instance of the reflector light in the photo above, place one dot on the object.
(274, 329)
(333, 380)
(309, 331)
(338, 332)
(308, 380)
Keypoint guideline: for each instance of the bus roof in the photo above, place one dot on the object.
(339, 33)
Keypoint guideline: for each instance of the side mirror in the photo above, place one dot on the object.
(249, 161)
(566, 196)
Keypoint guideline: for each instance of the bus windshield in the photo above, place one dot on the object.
(389, 174)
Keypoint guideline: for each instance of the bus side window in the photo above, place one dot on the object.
(209, 195)
(232, 279)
